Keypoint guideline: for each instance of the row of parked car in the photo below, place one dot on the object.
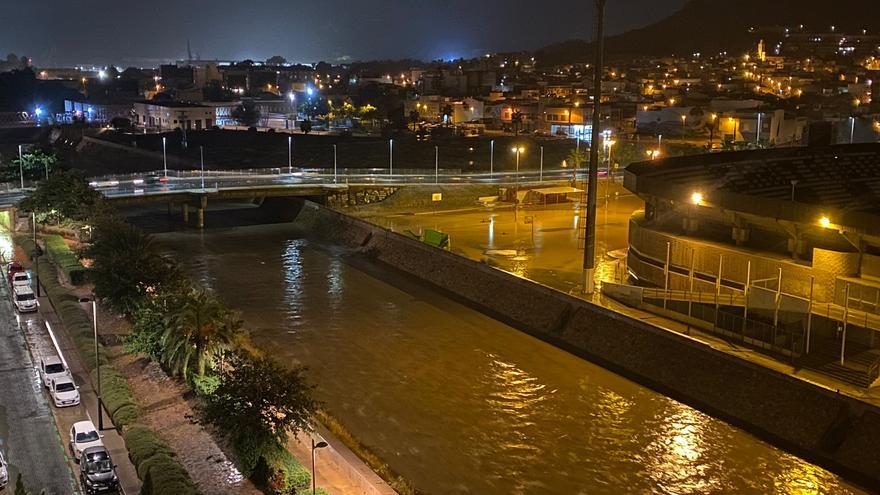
(23, 297)
(97, 471)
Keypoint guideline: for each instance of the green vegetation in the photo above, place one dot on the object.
(33, 165)
(127, 267)
(65, 259)
(155, 464)
(63, 199)
(258, 402)
(196, 331)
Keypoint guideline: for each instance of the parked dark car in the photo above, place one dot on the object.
(97, 473)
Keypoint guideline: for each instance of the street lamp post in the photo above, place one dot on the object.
(590, 235)
(292, 98)
(97, 363)
(315, 446)
(164, 158)
(436, 164)
(21, 166)
(541, 166)
(852, 129)
(36, 253)
(290, 154)
(683, 128)
(758, 132)
(202, 159)
(334, 163)
(391, 157)
(491, 158)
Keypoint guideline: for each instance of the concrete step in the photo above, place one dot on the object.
(844, 374)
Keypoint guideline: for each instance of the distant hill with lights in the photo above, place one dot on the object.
(713, 26)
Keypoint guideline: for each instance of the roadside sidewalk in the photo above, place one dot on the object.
(128, 478)
(337, 469)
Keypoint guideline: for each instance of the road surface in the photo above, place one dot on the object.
(28, 436)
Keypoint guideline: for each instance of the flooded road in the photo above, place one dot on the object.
(460, 403)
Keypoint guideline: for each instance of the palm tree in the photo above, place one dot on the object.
(200, 329)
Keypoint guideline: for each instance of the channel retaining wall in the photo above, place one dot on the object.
(830, 429)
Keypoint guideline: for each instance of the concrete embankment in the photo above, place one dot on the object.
(827, 428)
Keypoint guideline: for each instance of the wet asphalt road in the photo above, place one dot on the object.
(28, 436)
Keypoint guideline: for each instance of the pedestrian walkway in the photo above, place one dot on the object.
(113, 441)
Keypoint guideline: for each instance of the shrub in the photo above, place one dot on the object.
(159, 460)
(65, 259)
(204, 386)
(279, 473)
(143, 443)
(126, 415)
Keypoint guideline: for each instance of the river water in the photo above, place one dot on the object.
(460, 403)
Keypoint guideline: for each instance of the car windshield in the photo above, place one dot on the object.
(99, 466)
(65, 387)
(86, 436)
(18, 277)
(54, 368)
(24, 297)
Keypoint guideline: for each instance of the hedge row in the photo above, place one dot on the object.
(64, 258)
(155, 464)
(115, 392)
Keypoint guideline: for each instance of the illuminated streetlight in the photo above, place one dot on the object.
(825, 222)
(697, 198)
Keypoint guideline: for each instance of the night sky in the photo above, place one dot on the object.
(72, 32)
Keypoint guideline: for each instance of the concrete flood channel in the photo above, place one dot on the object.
(459, 402)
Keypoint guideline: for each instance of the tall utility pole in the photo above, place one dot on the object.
(589, 284)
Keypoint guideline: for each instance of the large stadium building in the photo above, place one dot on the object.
(777, 248)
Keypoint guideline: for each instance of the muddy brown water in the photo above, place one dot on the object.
(460, 403)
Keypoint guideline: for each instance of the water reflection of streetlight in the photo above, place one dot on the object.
(519, 151)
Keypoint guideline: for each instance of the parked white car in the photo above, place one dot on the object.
(4, 472)
(21, 279)
(64, 392)
(52, 367)
(82, 436)
(24, 299)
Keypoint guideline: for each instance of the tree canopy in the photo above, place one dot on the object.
(64, 197)
(261, 399)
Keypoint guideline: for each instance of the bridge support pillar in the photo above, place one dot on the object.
(186, 213)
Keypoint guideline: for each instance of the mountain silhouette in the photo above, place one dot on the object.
(714, 26)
